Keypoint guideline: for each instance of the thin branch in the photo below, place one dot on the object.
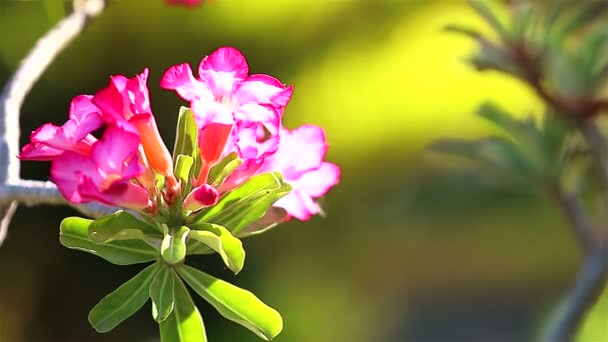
(20, 84)
(594, 274)
(585, 292)
(579, 220)
(32, 193)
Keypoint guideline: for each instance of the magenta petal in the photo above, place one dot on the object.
(223, 70)
(67, 171)
(254, 112)
(207, 111)
(201, 197)
(86, 115)
(38, 151)
(110, 101)
(225, 59)
(180, 78)
(263, 89)
(136, 93)
(298, 205)
(120, 194)
(316, 183)
(116, 147)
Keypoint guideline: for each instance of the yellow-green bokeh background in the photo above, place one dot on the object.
(412, 249)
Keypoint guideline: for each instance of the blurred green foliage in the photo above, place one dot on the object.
(413, 248)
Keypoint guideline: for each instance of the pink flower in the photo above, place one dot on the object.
(189, 3)
(105, 174)
(227, 102)
(125, 102)
(201, 197)
(300, 159)
(50, 141)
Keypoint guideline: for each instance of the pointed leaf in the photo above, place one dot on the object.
(121, 226)
(247, 203)
(485, 12)
(161, 293)
(235, 304)
(186, 135)
(224, 168)
(186, 139)
(183, 166)
(74, 234)
(271, 219)
(173, 247)
(220, 240)
(123, 302)
(185, 323)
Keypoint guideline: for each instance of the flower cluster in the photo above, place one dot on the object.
(235, 113)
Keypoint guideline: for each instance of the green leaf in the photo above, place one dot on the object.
(173, 247)
(235, 304)
(185, 323)
(271, 219)
(224, 168)
(122, 226)
(480, 6)
(525, 132)
(247, 203)
(183, 165)
(220, 240)
(123, 302)
(186, 138)
(161, 293)
(74, 234)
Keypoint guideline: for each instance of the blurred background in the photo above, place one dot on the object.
(415, 246)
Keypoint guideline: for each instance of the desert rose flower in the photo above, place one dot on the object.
(50, 141)
(125, 101)
(106, 174)
(226, 102)
(300, 160)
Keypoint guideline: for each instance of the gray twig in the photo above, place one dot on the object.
(11, 99)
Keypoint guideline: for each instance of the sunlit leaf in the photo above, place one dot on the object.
(183, 166)
(173, 247)
(121, 226)
(222, 241)
(247, 203)
(186, 138)
(124, 301)
(161, 293)
(234, 303)
(74, 234)
(271, 219)
(185, 323)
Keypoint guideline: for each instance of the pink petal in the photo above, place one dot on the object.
(38, 151)
(116, 147)
(300, 150)
(254, 112)
(201, 197)
(207, 111)
(223, 69)
(120, 194)
(241, 174)
(180, 78)
(263, 89)
(86, 115)
(298, 205)
(67, 171)
(250, 145)
(316, 183)
(136, 93)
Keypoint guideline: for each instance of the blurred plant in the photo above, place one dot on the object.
(558, 48)
(235, 171)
